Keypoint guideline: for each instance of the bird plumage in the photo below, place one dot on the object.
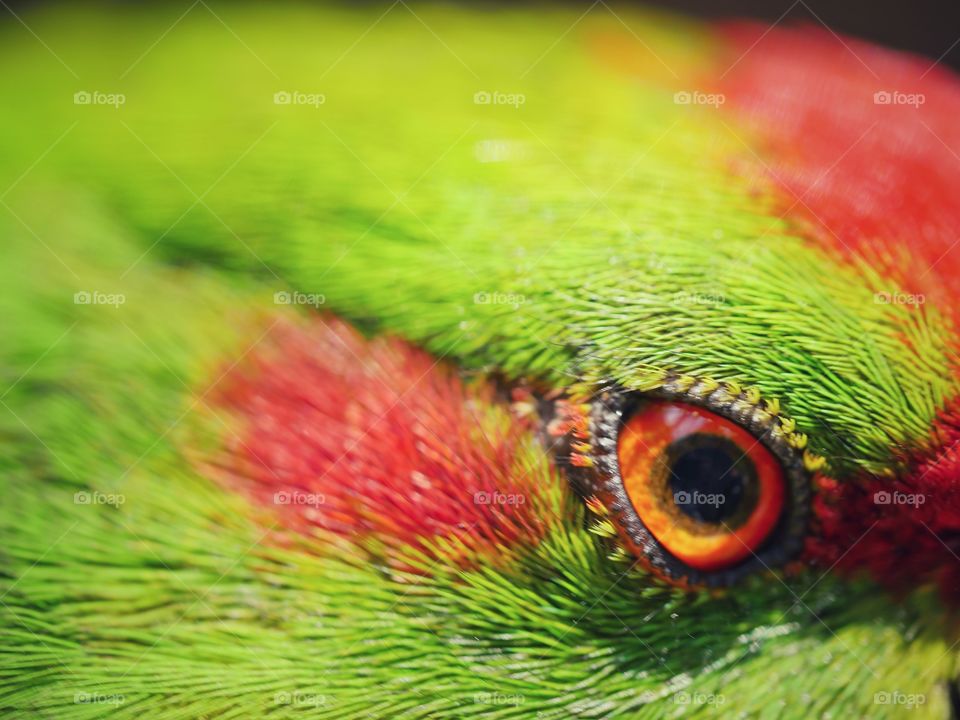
(282, 324)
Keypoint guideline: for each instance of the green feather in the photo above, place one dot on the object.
(623, 251)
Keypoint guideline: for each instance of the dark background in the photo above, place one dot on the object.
(928, 27)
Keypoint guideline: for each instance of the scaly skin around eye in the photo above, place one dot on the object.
(306, 338)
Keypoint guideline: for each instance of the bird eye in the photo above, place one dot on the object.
(705, 488)
(703, 482)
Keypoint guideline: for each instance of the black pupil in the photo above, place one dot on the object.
(707, 483)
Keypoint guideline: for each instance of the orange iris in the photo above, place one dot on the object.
(705, 488)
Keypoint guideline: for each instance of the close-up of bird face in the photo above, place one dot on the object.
(438, 361)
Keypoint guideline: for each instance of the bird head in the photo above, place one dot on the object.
(445, 363)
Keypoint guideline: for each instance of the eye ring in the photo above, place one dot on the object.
(597, 473)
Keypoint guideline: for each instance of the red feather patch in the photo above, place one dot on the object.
(904, 532)
(376, 441)
(865, 144)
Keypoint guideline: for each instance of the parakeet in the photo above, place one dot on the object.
(416, 361)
